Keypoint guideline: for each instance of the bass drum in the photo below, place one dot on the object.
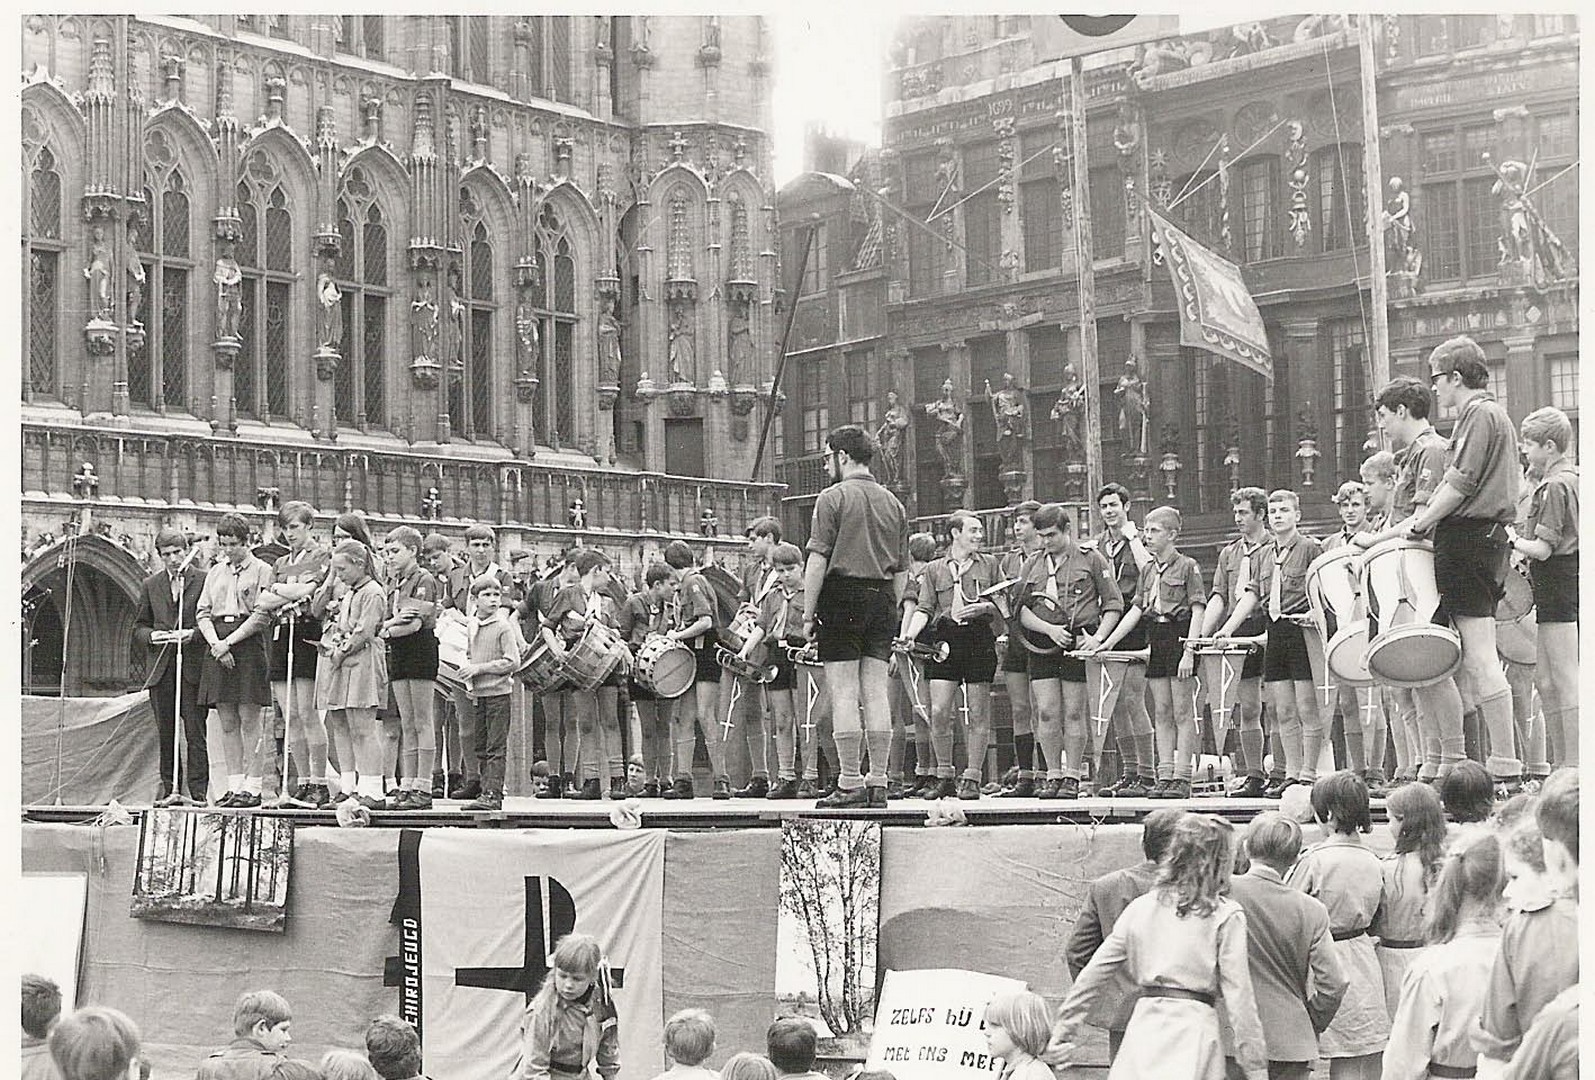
(665, 667)
(1339, 615)
(1408, 648)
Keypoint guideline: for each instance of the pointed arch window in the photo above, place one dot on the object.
(548, 56)
(553, 298)
(157, 374)
(360, 398)
(42, 256)
(678, 255)
(471, 48)
(261, 374)
(472, 397)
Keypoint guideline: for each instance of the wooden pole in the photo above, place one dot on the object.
(1086, 286)
(1378, 293)
(774, 402)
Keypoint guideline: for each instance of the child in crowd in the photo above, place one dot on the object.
(689, 1040)
(779, 623)
(41, 1006)
(352, 675)
(647, 614)
(490, 659)
(1346, 877)
(748, 1067)
(1550, 544)
(1444, 988)
(910, 692)
(1417, 825)
(347, 1065)
(571, 1027)
(1280, 590)
(101, 1044)
(1018, 1027)
(791, 1044)
(1468, 793)
(1295, 976)
(261, 1026)
(1184, 943)
(393, 1047)
(412, 664)
(1106, 898)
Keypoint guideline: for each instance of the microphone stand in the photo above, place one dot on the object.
(179, 733)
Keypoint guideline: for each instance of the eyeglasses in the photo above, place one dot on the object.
(1437, 376)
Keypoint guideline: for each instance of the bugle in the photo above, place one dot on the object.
(743, 669)
(918, 650)
(805, 655)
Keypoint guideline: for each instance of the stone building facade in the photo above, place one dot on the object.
(443, 269)
(1250, 139)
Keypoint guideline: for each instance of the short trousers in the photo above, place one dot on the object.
(1254, 624)
(1015, 657)
(306, 632)
(249, 680)
(1060, 665)
(1471, 556)
(785, 673)
(855, 618)
(971, 652)
(413, 656)
(1164, 638)
(1286, 659)
(708, 667)
(1555, 582)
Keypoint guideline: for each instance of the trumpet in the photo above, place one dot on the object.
(917, 650)
(805, 655)
(745, 669)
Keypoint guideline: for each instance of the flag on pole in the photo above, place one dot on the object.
(1217, 312)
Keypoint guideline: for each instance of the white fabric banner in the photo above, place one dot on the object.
(53, 945)
(931, 1024)
(479, 913)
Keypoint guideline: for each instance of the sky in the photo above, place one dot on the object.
(828, 70)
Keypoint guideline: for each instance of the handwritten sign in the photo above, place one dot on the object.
(930, 1024)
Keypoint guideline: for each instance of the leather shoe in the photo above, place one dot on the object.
(877, 797)
(758, 788)
(1175, 789)
(246, 800)
(1048, 788)
(488, 800)
(1024, 788)
(785, 789)
(1276, 788)
(1252, 787)
(419, 800)
(722, 788)
(808, 789)
(946, 788)
(968, 789)
(843, 799)
(470, 789)
(680, 788)
(591, 790)
(1069, 787)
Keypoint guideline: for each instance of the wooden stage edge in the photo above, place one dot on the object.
(703, 813)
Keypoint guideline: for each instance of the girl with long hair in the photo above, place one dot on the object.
(1417, 824)
(571, 1029)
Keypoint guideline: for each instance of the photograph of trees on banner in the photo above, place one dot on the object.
(213, 869)
(828, 930)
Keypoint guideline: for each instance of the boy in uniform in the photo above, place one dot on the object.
(1237, 567)
(1131, 727)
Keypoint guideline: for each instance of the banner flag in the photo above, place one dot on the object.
(931, 1024)
(1217, 312)
(478, 914)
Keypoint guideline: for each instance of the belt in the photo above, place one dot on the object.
(1459, 1072)
(1171, 616)
(1347, 935)
(574, 1068)
(1179, 992)
(1398, 943)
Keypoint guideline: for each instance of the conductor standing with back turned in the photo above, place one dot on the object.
(858, 552)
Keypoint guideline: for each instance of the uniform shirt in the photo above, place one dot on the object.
(1481, 461)
(460, 585)
(1178, 584)
(1342, 536)
(37, 1064)
(1295, 975)
(568, 1038)
(1420, 467)
(641, 617)
(1404, 910)
(781, 613)
(1116, 549)
(1081, 581)
(1440, 997)
(912, 581)
(573, 599)
(756, 578)
(1550, 1049)
(948, 585)
(1553, 511)
(861, 528)
(1289, 564)
(1538, 960)
(697, 599)
(1237, 568)
(417, 591)
(242, 1059)
(1011, 566)
(230, 592)
(1346, 878)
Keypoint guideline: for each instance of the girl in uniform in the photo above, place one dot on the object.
(570, 1029)
(1417, 824)
(352, 680)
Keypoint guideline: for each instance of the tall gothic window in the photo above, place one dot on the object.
(157, 375)
(265, 256)
(553, 300)
(471, 47)
(471, 397)
(549, 74)
(923, 187)
(678, 252)
(361, 271)
(42, 256)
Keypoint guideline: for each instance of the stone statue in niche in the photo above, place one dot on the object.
(1131, 393)
(329, 320)
(1400, 254)
(683, 344)
(134, 279)
(98, 273)
(949, 431)
(739, 345)
(1008, 412)
(454, 325)
(609, 358)
(229, 281)
(890, 437)
(424, 322)
(1069, 411)
(530, 337)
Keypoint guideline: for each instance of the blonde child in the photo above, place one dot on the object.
(1184, 943)
(748, 1067)
(1417, 825)
(1346, 877)
(1018, 1027)
(343, 1064)
(488, 673)
(412, 664)
(1444, 990)
(352, 675)
(570, 1027)
(780, 623)
(689, 1040)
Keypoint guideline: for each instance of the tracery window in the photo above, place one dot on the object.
(157, 374)
(553, 301)
(471, 396)
(42, 255)
(261, 374)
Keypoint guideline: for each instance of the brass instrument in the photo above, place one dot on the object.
(805, 655)
(743, 669)
(917, 650)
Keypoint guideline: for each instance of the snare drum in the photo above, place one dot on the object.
(665, 667)
(541, 670)
(1516, 628)
(1408, 649)
(594, 656)
(1337, 607)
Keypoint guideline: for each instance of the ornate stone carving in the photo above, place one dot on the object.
(1301, 218)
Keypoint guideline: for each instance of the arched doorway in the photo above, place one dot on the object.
(101, 658)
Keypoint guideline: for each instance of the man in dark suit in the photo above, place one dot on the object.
(166, 621)
(1105, 901)
(1296, 979)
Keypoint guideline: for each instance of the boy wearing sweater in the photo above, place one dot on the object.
(490, 658)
